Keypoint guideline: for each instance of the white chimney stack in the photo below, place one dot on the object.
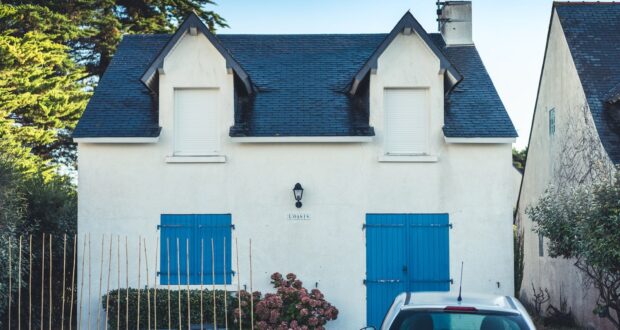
(455, 22)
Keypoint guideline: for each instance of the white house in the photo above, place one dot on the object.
(399, 140)
(575, 139)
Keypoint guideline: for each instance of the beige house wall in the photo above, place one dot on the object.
(571, 156)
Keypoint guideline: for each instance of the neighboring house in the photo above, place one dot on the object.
(517, 176)
(575, 137)
(400, 142)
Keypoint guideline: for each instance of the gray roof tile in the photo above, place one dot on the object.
(301, 83)
(121, 105)
(473, 108)
(592, 31)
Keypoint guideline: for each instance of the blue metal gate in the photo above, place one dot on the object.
(404, 252)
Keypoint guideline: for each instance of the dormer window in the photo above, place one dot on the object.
(406, 121)
(196, 131)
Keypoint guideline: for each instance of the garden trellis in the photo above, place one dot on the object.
(68, 306)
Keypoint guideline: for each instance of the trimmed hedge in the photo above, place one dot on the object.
(162, 307)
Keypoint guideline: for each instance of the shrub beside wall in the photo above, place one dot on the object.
(291, 307)
(164, 317)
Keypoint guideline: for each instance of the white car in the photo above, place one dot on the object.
(444, 311)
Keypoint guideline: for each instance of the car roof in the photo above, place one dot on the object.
(444, 299)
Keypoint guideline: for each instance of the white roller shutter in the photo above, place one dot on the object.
(196, 130)
(406, 121)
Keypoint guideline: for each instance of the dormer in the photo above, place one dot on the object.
(192, 26)
(408, 78)
(193, 79)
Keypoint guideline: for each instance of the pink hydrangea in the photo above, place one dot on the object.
(291, 307)
(313, 321)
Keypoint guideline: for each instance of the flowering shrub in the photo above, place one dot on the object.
(291, 307)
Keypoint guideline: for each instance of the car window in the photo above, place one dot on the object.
(441, 320)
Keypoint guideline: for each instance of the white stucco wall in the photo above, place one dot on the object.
(571, 157)
(123, 189)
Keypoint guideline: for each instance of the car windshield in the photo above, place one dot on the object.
(445, 320)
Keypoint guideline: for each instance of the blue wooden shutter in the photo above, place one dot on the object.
(428, 251)
(385, 259)
(195, 229)
(218, 228)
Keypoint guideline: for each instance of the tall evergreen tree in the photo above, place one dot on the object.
(103, 22)
(41, 94)
(48, 51)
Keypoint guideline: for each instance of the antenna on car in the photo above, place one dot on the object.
(459, 299)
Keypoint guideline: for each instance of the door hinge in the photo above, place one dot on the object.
(198, 226)
(381, 281)
(364, 226)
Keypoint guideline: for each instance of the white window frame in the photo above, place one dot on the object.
(205, 157)
(388, 156)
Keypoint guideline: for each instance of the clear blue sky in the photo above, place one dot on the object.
(510, 35)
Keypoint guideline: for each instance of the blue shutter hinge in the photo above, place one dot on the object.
(232, 226)
(158, 227)
(450, 225)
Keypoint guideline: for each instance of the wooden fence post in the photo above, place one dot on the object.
(225, 289)
(73, 268)
(42, 281)
(64, 257)
(238, 282)
(107, 290)
(148, 292)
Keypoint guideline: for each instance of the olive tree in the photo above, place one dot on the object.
(583, 224)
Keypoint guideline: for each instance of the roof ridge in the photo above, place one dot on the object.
(302, 34)
(581, 3)
(146, 34)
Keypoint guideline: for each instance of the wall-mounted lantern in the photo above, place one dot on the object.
(298, 192)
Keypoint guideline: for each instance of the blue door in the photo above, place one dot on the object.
(404, 252)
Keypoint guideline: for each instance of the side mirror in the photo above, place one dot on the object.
(368, 328)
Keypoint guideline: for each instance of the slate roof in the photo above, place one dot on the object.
(122, 105)
(473, 108)
(301, 81)
(301, 89)
(592, 31)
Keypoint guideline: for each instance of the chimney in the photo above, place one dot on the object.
(455, 22)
